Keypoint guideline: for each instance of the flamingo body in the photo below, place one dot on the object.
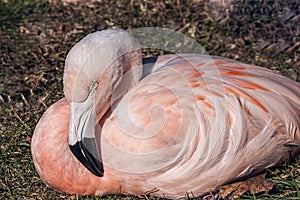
(194, 123)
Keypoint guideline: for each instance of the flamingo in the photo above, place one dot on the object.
(179, 124)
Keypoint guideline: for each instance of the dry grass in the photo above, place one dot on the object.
(36, 35)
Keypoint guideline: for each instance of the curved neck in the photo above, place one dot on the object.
(57, 166)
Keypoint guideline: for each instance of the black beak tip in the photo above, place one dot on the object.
(94, 165)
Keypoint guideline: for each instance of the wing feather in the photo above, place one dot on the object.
(204, 119)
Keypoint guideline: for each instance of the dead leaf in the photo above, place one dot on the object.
(254, 185)
(2, 185)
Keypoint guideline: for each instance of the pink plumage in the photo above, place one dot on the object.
(193, 123)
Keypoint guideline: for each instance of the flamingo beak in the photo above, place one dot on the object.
(82, 135)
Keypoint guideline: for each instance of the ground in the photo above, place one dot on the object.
(35, 37)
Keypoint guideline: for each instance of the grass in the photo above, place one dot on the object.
(35, 37)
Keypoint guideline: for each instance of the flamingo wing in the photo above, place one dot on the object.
(195, 116)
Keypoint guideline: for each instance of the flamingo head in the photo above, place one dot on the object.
(99, 70)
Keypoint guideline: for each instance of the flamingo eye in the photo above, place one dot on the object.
(93, 86)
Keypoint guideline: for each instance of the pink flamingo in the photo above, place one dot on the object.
(190, 125)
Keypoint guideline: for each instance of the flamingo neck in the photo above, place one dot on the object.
(56, 164)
